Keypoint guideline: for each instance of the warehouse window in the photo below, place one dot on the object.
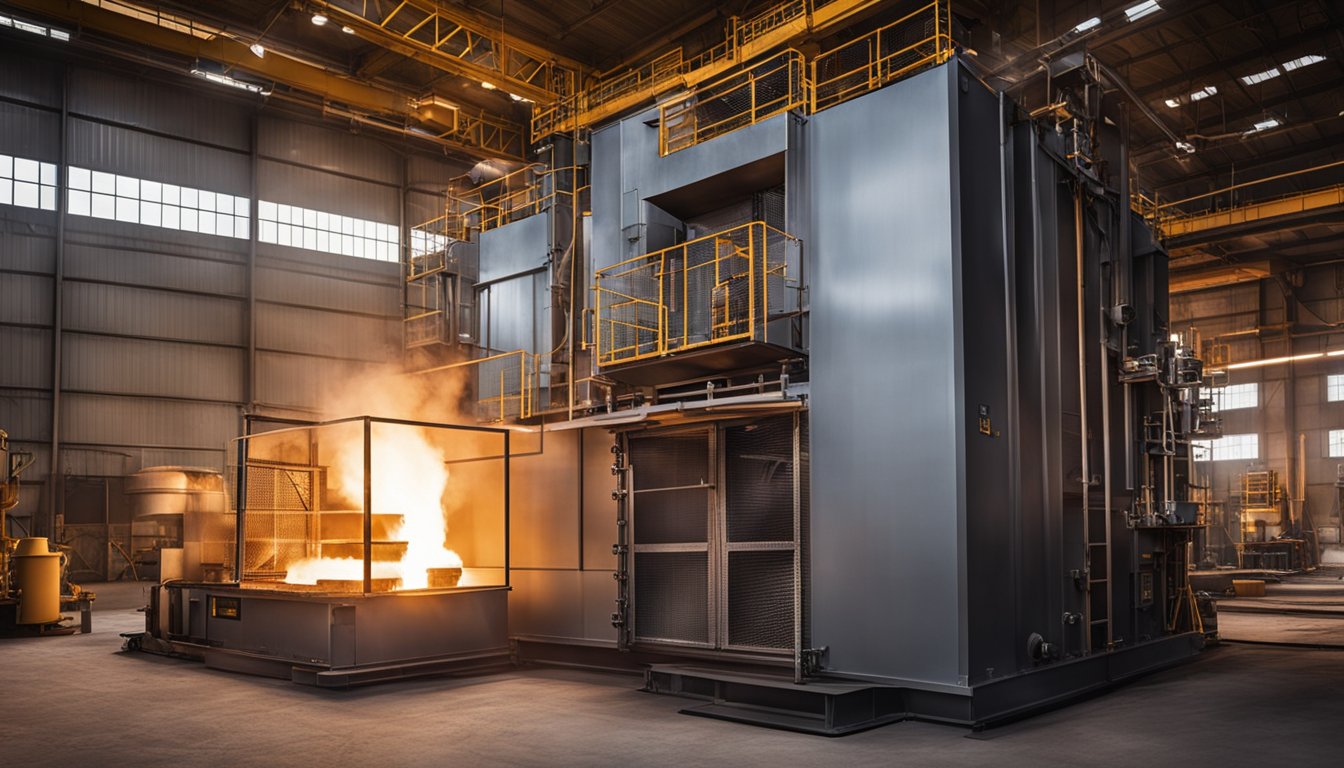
(1235, 396)
(328, 232)
(1334, 387)
(27, 183)
(1337, 443)
(424, 242)
(140, 201)
(1227, 448)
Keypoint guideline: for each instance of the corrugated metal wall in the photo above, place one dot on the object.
(155, 322)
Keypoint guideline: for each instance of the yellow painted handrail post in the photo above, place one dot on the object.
(751, 280)
(685, 294)
(501, 395)
(660, 344)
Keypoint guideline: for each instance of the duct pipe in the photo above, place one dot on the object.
(1086, 470)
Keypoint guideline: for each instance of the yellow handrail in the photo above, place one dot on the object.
(504, 384)
(743, 98)
(710, 290)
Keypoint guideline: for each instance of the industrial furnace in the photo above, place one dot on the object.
(362, 549)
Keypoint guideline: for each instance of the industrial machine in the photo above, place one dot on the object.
(33, 585)
(853, 398)
(181, 526)
(363, 549)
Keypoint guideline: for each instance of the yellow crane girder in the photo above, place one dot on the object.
(476, 133)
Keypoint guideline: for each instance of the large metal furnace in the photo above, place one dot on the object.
(362, 549)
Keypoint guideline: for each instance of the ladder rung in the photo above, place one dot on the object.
(1097, 581)
(1096, 543)
(1095, 622)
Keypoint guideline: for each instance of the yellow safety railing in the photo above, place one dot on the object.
(503, 386)
(1203, 212)
(743, 98)
(710, 290)
(526, 192)
(920, 39)
(744, 39)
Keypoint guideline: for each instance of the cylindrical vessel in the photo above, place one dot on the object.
(170, 564)
(38, 577)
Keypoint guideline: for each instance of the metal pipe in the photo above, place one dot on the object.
(250, 365)
(1082, 407)
(797, 552)
(57, 310)
(1106, 477)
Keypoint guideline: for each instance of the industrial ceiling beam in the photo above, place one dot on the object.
(453, 41)
(477, 134)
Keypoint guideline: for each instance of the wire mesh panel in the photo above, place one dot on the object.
(760, 599)
(760, 473)
(759, 467)
(672, 596)
(279, 524)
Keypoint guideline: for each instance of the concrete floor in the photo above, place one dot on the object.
(75, 701)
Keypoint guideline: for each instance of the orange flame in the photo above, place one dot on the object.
(409, 480)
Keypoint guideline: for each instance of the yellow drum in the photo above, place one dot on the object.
(38, 577)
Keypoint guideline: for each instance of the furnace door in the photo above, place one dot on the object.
(672, 512)
(716, 517)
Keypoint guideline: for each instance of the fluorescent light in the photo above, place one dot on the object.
(1300, 62)
(1173, 103)
(1277, 360)
(348, 30)
(1083, 26)
(1136, 12)
(488, 86)
(1260, 77)
(516, 97)
(1265, 125)
(319, 19)
(36, 29)
(1186, 147)
(257, 50)
(219, 79)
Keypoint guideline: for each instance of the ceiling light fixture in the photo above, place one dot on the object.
(348, 30)
(488, 86)
(319, 19)
(219, 79)
(257, 50)
(1173, 103)
(1136, 12)
(36, 29)
(1265, 125)
(1186, 147)
(1091, 23)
